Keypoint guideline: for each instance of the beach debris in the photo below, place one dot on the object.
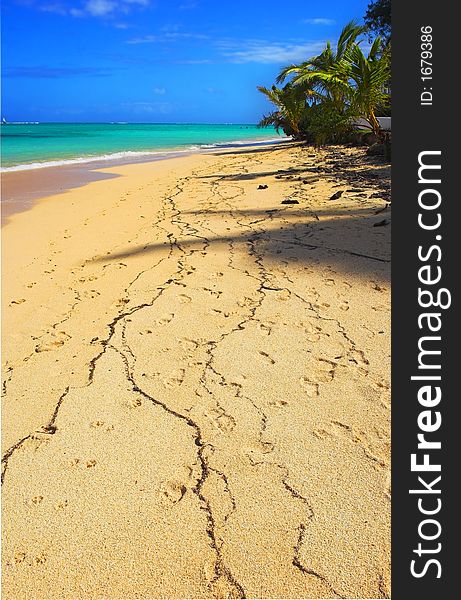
(290, 201)
(382, 223)
(49, 429)
(262, 186)
(382, 195)
(336, 195)
(272, 289)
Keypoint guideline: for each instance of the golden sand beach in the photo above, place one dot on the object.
(196, 396)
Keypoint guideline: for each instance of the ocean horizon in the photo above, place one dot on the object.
(35, 145)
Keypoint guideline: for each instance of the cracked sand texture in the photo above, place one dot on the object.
(196, 383)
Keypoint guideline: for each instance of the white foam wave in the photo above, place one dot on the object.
(88, 159)
(258, 142)
(130, 154)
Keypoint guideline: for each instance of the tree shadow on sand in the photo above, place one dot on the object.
(352, 241)
(354, 170)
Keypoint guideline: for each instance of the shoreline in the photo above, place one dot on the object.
(133, 156)
(187, 359)
(21, 188)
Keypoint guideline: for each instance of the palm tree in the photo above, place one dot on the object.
(345, 80)
(328, 92)
(290, 102)
(369, 76)
(276, 120)
(308, 74)
(363, 80)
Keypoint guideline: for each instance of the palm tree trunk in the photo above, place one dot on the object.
(375, 124)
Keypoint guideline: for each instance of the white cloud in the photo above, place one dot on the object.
(233, 50)
(93, 8)
(319, 21)
(237, 51)
(160, 91)
(168, 36)
(198, 61)
(54, 7)
(99, 8)
(258, 51)
(147, 39)
(151, 108)
(178, 35)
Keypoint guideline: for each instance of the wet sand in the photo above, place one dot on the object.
(20, 190)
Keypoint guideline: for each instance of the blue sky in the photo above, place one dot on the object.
(156, 60)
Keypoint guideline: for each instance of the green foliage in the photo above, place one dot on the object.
(275, 119)
(328, 92)
(363, 79)
(325, 124)
(378, 19)
(290, 102)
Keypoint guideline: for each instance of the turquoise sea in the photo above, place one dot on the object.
(34, 145)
